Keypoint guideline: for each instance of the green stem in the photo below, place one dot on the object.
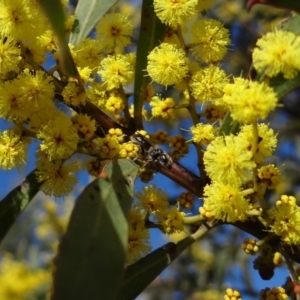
(253, 212)
(263, 221)
(202, 230)
(125, 101)
(193, 112)
(266, 239)
(247, 192)
(183, 105)
(192, 219)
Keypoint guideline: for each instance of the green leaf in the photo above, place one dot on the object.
(88, 14)
(91, 256)
(152, 33)
(292, 23)
(55, 13)
(284, 4)
(229, 126)
(283, 86)
(16, 201)
(140, 274)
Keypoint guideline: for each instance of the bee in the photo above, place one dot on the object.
(151, 153)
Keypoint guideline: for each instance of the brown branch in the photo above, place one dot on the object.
(256, 229)
(185, 178)
(178, 173)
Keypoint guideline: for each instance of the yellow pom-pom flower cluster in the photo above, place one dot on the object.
(286, 219)
(114, 31)
(167, 64)
(138, 236)
(59, 137)
(174, 13)
(208, 84)
(159, 137)
(269, 175)
(225, 202)
(249, 101)
(250, 247)
(85, 126)
(18, 279)
(209, 40)
(276, 293)
(227, 161)
(179, 143)
(163, 108)
(155, 201)
(186, 200)
(277, 52)
(57, 178)
(10, 55)
(108, 147)
(129, 150)
(232, 295)
(116, 70)
(13, 148)
(266, 141)
(203, 133)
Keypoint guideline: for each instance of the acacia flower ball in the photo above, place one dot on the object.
(266, 142)
(57, 179)
(232, 294)
(225, 202)
(109, 147)
(203, 133)
(47, 41)
(153, 199)
(116, 133)
(114, 31)
(59, 138)
(128, 150)
(163, 108)
(273, 293)
(37, 88)
(227, 160)
(171, 220)
(167, 64)
(114, 105)
(13, 105)
(138, 235)
(248, 101)
(116, 71)
(209, 40)
(17, 276)
(179, 143)
(88, 54)
(174, 13)
(73, 94)
(270, 176)
(84, 125)
(17, 19)
(208, 84)
(13, 148)
(10, 55)
(214, 112)
(277, 52)
(286, 219)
